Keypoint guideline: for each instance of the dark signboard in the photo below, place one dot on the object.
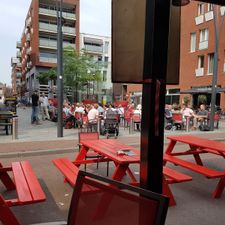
(130, 24)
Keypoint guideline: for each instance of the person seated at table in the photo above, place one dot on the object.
(168, 117)
(93, 117)
(201, 115)
(187, 113)
(69, 118)
(79, 108)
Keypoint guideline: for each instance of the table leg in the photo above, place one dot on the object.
(219, 188)
(131, 175)
(170, 147)
(7, 217)
(81, 155)
(119, 172)
(168, 192)
(6, 179)
(196, 156)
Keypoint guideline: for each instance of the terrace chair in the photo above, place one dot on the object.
(178, 121)
(99, 200)
(90, 154)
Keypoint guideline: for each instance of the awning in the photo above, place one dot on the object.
(201, 90)
(93, 41)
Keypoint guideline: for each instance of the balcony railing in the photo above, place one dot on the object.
(18, 54)
(19, 64)
(46, 43)
(18, 75)
(18, 44)
(28, 51)
(50, 12)
(92, 48)
(53, 28)
(47, 59)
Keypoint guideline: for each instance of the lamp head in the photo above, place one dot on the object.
(180, 2)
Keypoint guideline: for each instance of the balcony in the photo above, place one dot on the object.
(92, 48)
(18, 44)
(47, 59)
(51, 44)
(18, 54)
(209, 16)
(14, 61)
(29, 65)
(28, 51)
(28, 22)
(199, 72)
(203, 45)
(53, 13)
(199, 19)
(69, 30)
(52, 28)
(27, 37)
(18, 75)
(46, 43)
(19, 64)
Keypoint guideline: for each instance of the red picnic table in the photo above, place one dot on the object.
(197, 146)
(108, 149)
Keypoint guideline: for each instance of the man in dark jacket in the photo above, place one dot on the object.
(35, 108)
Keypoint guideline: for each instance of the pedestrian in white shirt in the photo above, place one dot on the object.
(44, 107)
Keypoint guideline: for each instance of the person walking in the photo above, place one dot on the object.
(44, 107)
(35, 108)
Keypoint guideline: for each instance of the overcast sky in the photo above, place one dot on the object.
(95, 18)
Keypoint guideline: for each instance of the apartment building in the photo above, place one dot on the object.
(196, 58)
(99, 48)
(37, 49)
(197, 54)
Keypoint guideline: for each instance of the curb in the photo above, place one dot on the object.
(65, 150)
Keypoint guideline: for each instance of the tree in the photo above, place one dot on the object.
(44, 77)
(79, 70)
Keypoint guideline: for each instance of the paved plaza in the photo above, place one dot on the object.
(39, 144)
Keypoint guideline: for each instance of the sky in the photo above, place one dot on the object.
(95, 18)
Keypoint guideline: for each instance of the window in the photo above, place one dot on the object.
(193, 42)
(106, 47)
(200, 9)
(204, 35)
(106, 58)
(210, 7)
(104, 77)
(99, 58)
(201, 61)
(210, 63)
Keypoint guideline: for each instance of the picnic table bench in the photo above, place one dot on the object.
(27, 188)
(197, 146)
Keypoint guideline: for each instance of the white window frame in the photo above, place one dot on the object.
(201, 7)
(210, 63)
(200, 61)
(204, 35)
(210, 7)
(193, 42)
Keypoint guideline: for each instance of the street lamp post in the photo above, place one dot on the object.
(59, 69)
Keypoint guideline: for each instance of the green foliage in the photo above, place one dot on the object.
(44, 77)
(186, 100)
(79, 68)
(202, 99)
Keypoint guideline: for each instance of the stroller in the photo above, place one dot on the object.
(111, 125)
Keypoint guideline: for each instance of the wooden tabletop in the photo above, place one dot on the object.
(199, 142)
(110, 147)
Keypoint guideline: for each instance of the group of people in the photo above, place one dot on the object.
(188, 114)
(41, 103)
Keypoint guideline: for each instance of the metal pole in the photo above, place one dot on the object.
(215, 68)
(59, 70)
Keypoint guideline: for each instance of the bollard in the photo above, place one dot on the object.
(15, 128)
(131, 127)
(187, 124)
